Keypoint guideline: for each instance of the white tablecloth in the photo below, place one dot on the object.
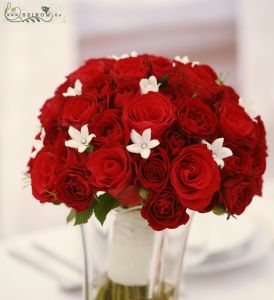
(20, 281)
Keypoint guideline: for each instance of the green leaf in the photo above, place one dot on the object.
(90, 148)
(71, 215)
(143, 193)
(219, 210)
(56, 202)
(83, 216)
(104, 204)
(164, 81)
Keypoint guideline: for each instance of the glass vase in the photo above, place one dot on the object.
(127, 260)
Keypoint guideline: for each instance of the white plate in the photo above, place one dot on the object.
(215, 234)
(249, 252)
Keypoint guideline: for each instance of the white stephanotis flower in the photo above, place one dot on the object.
(249, 108)
(185, 60)
(38, 144)
(218, 151)
(76, 91)
(149, 85)
(79, 139)
(142, 143)
(118, 57)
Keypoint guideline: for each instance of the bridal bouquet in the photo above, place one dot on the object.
(163, 134)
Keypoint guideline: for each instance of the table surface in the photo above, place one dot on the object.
(19, 280)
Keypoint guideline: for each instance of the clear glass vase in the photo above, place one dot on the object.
(127, 260)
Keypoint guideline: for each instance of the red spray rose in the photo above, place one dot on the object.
(237, 194)
(73, 188)
(164, 210)
(108, 127)
(196, 118)
(153, 173)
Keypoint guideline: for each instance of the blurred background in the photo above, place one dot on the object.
(235, 37)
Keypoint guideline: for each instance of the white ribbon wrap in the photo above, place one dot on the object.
(131, 246)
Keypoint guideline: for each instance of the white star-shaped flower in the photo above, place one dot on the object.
(185, 60)
(149, 85)
(249, 108)
(218, 151)
(38, 144)
(76, 91)
(79, 139)
(142, 143)
(118, 57)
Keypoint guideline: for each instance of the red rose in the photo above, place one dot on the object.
(73, 188)
(160, 66)
(60, 150)
(43, 176)
(153, 173)
(195, 176)
(235, 125)
(108, 128)
(130, 196)
(131, 68)
(122, 98)
(52, 134)
(94, 76)
(164, 210)
(78, 111)
(259, 155)
(198, 81)
(205, 72)
(237, 194)
(226, 93)
(50, 112)
(196, 118)
(259, 152)
(90, 71)
(152, 110)
(110, 169)
(238, 164)
(175, 140)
